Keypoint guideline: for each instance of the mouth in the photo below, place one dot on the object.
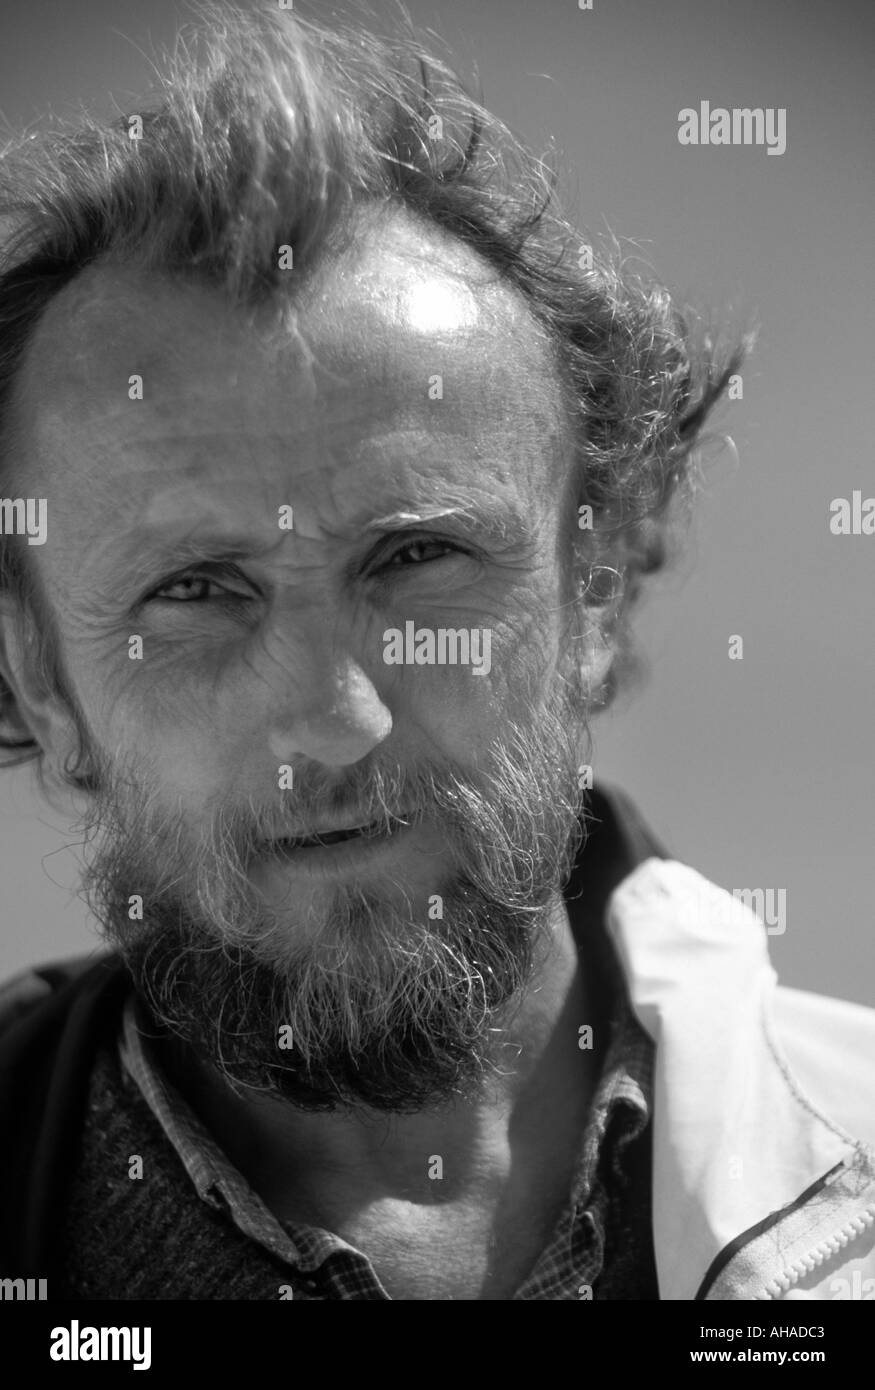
(323, 838)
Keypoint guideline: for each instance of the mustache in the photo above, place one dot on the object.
(383, 794)
(505, 825)
(370, 794)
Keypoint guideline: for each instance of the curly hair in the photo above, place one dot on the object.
(269, 129)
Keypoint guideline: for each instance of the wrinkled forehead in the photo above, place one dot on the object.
(406, 329)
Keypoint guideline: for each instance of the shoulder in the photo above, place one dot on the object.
(53, 1020)
(691, 948)
(53, 989)
(21, 993)
(829, 1045)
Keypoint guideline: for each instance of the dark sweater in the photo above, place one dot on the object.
(152, 1237)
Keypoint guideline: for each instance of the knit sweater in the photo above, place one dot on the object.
(149, 1236)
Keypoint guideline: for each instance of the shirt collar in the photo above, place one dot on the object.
(625, 1084)
(215, 1179)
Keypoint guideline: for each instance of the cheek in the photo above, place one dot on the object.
(200, 723)
(179, 727)
(217, 754)
(462, 713)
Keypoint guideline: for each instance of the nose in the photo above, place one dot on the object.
(340, 722)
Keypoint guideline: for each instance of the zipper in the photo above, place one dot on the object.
(821, 1252)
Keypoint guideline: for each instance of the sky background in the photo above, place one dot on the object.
(757, 772)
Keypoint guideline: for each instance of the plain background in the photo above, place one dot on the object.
(758, 772)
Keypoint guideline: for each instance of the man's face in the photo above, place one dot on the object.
(406, 411)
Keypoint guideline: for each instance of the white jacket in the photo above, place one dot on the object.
(764, 1107)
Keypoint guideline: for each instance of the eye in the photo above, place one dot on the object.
(201, 586)
(192, 589)
(419, 552)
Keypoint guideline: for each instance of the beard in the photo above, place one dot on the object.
(376, 1004)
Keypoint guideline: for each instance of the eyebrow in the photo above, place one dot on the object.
(196, 547)
(501, 523)
(402, 518)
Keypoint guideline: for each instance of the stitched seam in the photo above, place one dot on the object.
(799, 1094)
(818, 1254)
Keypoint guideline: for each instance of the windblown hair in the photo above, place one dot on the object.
(269, 129)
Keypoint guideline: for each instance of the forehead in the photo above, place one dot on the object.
(405, 347)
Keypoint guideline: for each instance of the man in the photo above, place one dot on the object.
(353, 460)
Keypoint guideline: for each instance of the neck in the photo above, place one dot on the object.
(532, 1111)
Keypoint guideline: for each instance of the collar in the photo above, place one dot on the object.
(625, 1083)
(736, 1138)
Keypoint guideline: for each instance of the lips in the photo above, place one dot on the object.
(335, 837)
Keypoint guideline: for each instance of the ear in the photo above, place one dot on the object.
(595, 657)
(596, 608)
(29, 708)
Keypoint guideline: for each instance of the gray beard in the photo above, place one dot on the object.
(413, 1031)
(382, 1009)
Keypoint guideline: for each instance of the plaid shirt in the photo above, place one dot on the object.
(322, 1265)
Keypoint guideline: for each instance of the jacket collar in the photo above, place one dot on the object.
(735, 1138)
